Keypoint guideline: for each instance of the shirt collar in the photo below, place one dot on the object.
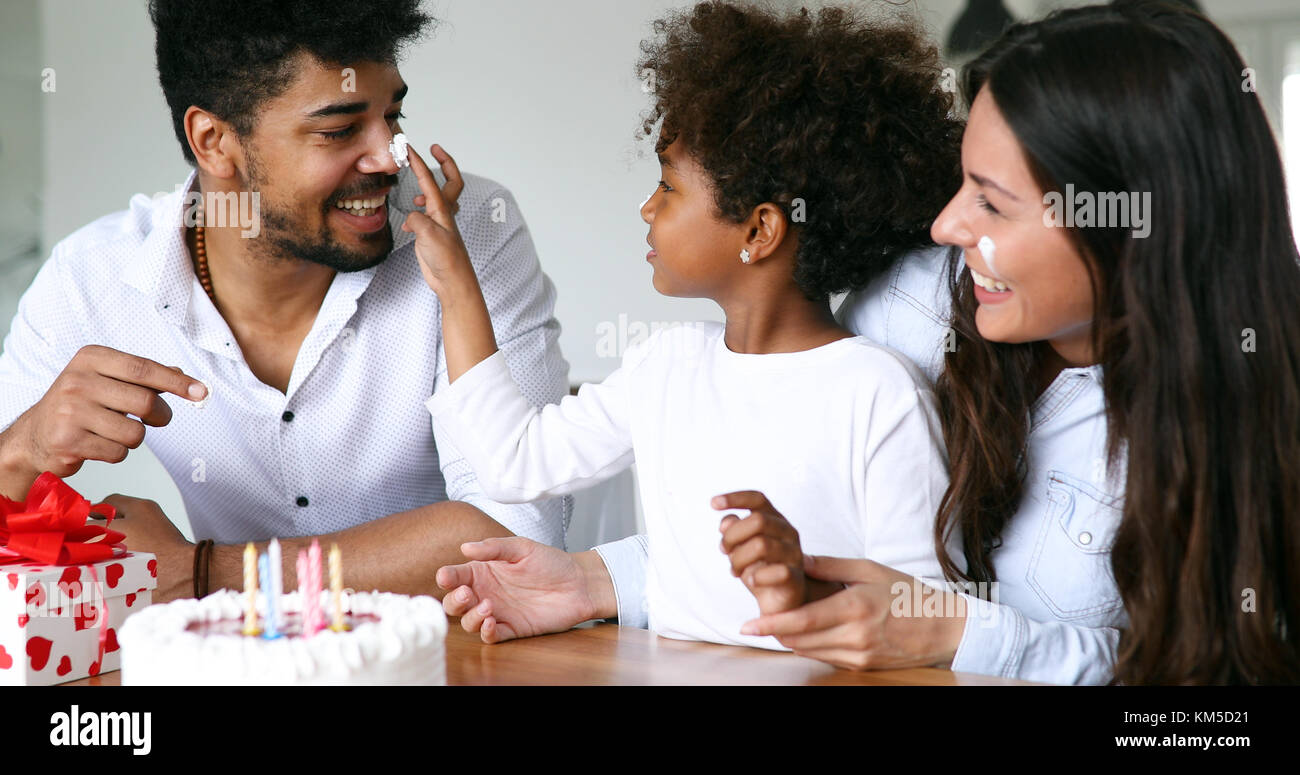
(164, 272)
(1093, 372)
(1070, 384)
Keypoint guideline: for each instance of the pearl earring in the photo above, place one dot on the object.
(744, 256)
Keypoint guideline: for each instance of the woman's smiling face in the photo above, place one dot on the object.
(1048, 292)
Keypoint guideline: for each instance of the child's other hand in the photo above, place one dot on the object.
(764, 551)
(444, 261)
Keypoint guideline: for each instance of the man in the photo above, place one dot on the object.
(305, 329)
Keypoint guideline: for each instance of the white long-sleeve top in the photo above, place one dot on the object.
(844, 440)
(1058, 613)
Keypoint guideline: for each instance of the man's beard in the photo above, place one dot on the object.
(284, 237)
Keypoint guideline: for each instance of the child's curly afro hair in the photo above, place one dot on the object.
(840, 120)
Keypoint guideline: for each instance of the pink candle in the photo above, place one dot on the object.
(304, 590)
(314, 575)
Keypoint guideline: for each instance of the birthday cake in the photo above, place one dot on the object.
(386, 639)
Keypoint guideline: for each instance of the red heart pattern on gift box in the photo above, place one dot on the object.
(58, 644)
(85, 615)
(70, 582)
(38, 650)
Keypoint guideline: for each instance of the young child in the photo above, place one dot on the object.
(800, 156)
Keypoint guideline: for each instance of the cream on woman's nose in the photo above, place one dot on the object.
(988, 251)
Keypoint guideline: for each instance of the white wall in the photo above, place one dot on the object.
(20, 144)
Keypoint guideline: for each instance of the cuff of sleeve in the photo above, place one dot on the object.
(993, 640)
(625, 560)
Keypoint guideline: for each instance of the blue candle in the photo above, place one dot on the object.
(264, 572)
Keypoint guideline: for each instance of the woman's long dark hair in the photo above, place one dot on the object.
(1197, 328)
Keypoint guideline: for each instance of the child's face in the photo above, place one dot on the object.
(694, 253)
(1049, 295)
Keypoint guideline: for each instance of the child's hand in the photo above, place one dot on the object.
(444, 261)
(764, 551)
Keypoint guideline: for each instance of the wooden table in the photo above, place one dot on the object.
(606, 654)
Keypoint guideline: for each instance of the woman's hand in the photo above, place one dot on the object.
(518, 588)
(874, 624)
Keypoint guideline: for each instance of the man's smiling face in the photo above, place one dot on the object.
(316, 146)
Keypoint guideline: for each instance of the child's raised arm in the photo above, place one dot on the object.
(467, 334)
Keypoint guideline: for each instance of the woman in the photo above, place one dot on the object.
(1155, 357)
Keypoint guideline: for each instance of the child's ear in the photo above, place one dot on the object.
(767, 227)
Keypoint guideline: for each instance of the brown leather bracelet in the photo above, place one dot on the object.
(202, 559)
(194, 573)
(207, 566)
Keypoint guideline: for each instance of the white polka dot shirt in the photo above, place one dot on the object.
(351, 440)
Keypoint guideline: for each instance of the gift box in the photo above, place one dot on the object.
(60, 623)
(66, 585)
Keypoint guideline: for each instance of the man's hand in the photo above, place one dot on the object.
(518, 588)
(148, 529)
(764, 551)
(84, 416)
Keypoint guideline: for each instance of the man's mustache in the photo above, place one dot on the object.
(367, 185)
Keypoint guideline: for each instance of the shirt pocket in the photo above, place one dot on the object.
(1070, 569)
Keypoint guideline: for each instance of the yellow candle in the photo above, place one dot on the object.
(336, 586)
(250, 589)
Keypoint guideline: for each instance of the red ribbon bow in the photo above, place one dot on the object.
(50, 526)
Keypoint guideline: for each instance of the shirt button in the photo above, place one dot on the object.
(287, 417)
(302, 500)
(1085, 537)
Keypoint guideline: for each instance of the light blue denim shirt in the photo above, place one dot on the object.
(1055, 612)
